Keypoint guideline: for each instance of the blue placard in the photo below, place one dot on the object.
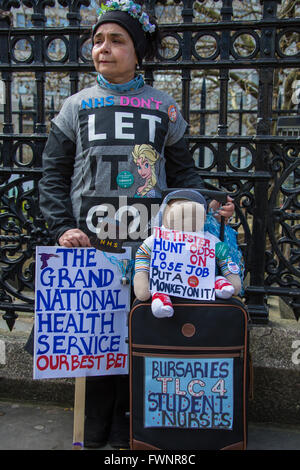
(188, 393)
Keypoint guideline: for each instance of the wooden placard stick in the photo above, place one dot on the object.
(79, 413)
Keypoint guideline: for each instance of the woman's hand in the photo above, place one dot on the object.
(73, 238)
(226, 211)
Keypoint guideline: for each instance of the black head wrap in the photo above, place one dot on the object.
(132, 26)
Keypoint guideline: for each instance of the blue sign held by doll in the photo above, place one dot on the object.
(183, 268)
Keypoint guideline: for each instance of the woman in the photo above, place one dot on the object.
(89, 150)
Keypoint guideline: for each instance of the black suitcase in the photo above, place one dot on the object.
(189, 376)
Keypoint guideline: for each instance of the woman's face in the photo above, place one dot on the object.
(144, 168)
(114, 54)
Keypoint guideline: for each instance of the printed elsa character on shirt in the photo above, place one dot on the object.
(145, 157)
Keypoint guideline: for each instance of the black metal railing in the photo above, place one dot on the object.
(259, 169)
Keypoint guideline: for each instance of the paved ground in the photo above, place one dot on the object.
(26, 426)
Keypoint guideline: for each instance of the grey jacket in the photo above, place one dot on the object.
(103, 145)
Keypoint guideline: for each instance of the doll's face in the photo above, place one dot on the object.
(184, 215)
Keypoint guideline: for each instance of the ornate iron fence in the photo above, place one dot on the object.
(266, 189)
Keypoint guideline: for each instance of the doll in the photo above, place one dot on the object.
(183, 210)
